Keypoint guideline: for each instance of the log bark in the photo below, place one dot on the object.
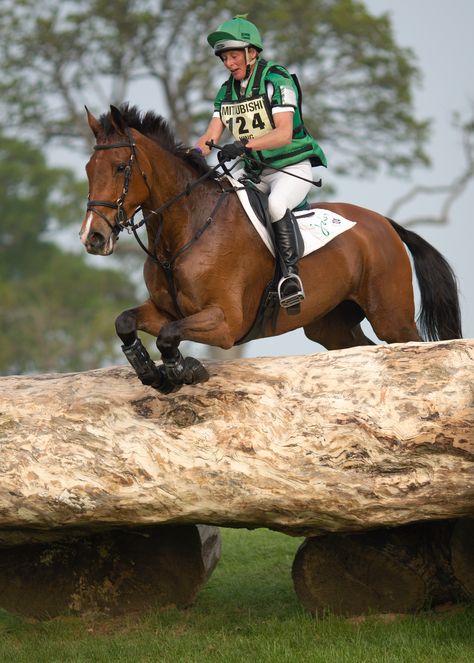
(332, 442)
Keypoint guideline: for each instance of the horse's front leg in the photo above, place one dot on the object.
(207, 326)
(147, 318)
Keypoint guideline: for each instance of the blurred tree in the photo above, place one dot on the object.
(446, 193)
(56, 312)
(357, 81)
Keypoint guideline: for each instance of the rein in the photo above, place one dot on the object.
(258, 162)
(158, 212)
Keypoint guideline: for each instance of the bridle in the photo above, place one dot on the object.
(121, 220)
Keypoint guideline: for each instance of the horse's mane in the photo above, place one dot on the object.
(157, 129)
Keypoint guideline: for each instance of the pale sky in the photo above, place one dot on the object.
(440, 34)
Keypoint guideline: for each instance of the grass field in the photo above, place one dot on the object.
(247, 613)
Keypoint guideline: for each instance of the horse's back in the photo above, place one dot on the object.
(373, 238)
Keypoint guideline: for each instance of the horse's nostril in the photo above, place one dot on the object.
(96, 239)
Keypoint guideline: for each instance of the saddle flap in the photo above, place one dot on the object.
(318, 226)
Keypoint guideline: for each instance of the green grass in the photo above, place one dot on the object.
(247, 613)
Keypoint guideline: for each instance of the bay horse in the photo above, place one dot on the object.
(206, 267)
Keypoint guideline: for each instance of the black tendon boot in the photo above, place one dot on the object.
(290, 247)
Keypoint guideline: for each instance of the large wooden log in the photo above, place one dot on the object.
(342, 441)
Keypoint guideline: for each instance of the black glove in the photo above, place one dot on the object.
(233, 150)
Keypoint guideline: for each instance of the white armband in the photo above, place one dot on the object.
(288, 96)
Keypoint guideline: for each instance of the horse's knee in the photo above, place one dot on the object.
(126, 327)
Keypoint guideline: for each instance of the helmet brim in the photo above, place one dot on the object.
(215, 37)
(230, 45)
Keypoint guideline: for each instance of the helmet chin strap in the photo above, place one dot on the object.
(250, 62)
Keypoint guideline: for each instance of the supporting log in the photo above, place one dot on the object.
(343, 441)
(462, 554)
(114, 572)
(405, 569)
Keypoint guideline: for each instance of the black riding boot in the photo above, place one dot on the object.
(290, 246)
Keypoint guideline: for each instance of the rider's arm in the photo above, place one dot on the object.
(213, 132)
(281, 135)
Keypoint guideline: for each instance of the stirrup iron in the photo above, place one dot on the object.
(295, 297)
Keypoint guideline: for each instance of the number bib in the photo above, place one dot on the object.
(247, 118)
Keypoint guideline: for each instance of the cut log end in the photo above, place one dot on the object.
(342, 575)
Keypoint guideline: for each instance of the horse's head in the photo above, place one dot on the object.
(117, 183)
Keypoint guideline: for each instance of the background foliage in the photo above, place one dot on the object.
(50, 298)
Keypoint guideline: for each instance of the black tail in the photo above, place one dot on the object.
(440, 315)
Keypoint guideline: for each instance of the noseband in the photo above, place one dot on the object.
(121, 220)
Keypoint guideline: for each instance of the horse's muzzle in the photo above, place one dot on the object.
(97, 244)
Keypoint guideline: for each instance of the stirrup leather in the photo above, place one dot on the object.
(295, 297)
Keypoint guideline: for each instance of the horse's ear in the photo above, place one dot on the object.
(117, 119)
(93, 122)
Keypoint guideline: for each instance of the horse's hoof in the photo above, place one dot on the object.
(164, 385)
(194, 371)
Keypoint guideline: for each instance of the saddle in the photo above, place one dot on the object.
(259, 202)
(317, 226)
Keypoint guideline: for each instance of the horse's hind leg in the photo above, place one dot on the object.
(340, 328)
(393, 326)
(390, 309)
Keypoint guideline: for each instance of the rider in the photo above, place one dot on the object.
(260, 105)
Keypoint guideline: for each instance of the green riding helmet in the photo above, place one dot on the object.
(234, 34)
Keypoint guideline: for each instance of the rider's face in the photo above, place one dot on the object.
(236, 63)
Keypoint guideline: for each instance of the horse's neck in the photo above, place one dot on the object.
(180, 213)
(185, 216)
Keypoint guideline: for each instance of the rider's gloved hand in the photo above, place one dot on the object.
(233, 150)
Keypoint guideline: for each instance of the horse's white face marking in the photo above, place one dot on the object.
(86, 228)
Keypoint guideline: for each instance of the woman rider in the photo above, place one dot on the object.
(259, 104)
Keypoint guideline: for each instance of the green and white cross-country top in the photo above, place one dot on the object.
(248, 113)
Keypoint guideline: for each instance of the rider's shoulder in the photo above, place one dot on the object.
(275, 72)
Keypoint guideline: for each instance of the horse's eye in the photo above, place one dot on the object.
(121, 167)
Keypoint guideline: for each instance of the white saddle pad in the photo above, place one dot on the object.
(318, 226)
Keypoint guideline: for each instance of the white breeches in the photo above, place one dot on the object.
(284, 191)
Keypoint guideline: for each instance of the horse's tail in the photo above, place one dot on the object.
(440, 315)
